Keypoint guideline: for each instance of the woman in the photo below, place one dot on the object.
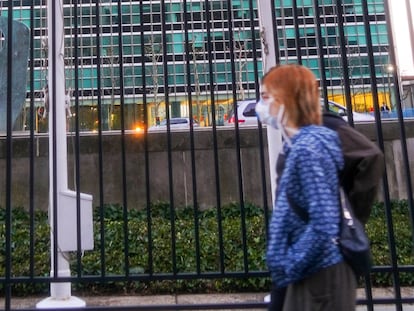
(301, 255)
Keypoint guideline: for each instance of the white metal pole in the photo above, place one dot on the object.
(410, 27)
(60, 292)
(268, 36)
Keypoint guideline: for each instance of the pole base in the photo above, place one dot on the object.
(53, 303)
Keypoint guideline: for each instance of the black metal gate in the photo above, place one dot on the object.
(169, 173)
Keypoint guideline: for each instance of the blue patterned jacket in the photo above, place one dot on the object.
(297, 249)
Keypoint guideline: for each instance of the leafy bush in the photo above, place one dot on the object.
(157, 235)
(391, 223)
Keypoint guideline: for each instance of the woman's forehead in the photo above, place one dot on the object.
(265, 91)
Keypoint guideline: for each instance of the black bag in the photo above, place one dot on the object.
(353, 240)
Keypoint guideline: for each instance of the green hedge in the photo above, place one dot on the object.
(399, 220)
(162, 225)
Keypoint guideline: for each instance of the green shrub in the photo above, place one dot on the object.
(165, 226)
(379, 226)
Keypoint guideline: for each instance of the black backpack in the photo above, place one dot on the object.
(363, 169)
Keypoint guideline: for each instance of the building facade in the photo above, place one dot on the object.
(138, 62)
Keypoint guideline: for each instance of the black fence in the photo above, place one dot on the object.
(126, 67)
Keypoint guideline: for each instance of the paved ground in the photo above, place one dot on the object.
(106, 301)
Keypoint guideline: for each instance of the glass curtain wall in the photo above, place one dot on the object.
(173, 58)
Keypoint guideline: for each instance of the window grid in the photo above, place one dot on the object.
(151, 26)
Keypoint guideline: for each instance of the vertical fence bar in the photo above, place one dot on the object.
(123, 157)
(146, 153)
(190, 108)
(344, 60)
(75, 60)
(52, 76)
(297, 33)
(208, 11)
(9, 156)
(260, 133)
(169, 144)
(321, 53)
(99, 92)
(31, 141)
(237, 134)
(380, 140)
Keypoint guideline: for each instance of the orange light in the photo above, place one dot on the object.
(138, 129)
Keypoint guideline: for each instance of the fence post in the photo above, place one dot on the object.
(60, 292)
(268, 37)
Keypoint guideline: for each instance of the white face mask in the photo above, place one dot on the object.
(278, 122)
(263, 112)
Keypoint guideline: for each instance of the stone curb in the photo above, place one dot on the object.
(188, 299)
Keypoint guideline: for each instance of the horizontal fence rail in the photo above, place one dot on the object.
(160, 182)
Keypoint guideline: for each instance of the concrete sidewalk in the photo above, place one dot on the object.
(188, 299)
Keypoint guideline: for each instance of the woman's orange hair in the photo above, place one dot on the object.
(296, 87)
